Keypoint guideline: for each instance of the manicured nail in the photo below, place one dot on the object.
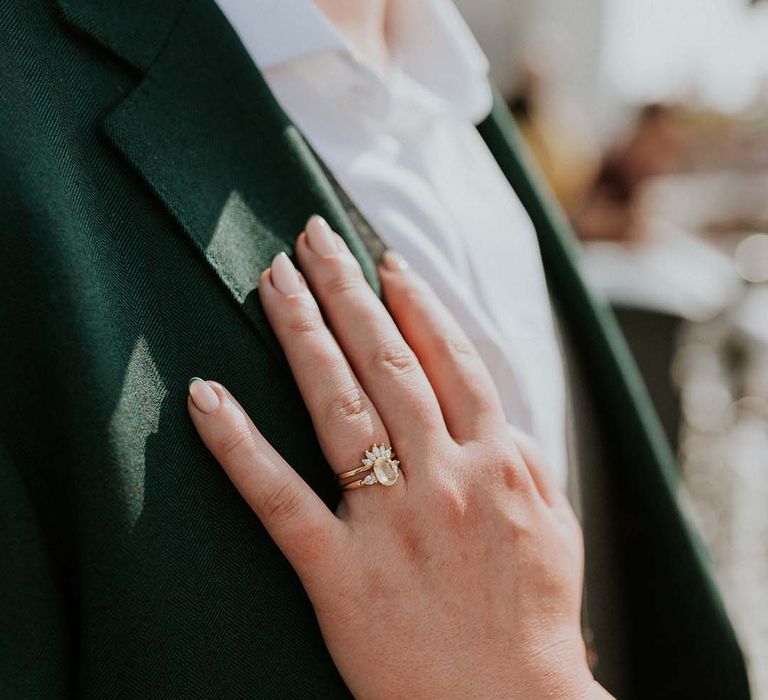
(284, 275)
(320, 236)
(394, 261)
(206, 400)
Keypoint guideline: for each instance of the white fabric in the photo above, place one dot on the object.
(404, 146)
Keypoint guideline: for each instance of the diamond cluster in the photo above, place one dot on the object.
(385, 468)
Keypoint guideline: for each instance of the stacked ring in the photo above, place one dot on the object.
(381, 466)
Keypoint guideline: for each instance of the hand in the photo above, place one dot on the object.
(461, 580)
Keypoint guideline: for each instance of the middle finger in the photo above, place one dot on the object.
(386, 366)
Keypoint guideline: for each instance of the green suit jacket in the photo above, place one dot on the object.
(147, 177)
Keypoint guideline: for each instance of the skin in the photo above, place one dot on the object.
(464, 578)
(364, 24)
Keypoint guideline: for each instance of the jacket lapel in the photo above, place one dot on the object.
(204, 131)
(667, 574)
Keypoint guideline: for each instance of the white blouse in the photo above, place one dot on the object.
(403, 144)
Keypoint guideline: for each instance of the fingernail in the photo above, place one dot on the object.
(320, 236)
(394, 261)
(206, 400)
(284, 275)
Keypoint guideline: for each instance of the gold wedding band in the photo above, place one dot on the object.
(381, 466)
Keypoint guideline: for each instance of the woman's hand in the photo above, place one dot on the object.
(463, 579)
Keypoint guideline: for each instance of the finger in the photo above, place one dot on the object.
(543, 476)
(302, 526)
(464, 388)
(345, 420)
(384, 363)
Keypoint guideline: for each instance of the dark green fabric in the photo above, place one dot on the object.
(146, 179)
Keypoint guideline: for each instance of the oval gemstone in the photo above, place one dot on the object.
(386, 472)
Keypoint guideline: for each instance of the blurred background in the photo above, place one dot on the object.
(650, 121)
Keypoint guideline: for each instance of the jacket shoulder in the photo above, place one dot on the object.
(55, 88)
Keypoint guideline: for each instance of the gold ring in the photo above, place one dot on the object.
(381, 465)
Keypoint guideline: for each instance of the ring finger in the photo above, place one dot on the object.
(345, 420)
(387, 367)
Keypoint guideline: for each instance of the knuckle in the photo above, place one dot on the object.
(348, 404)
(410, 288)
(282, 504)
(303, 325)
(481, 398)
(454, 348)
(234, 440)
(406, 294)
(517, 526)
(508, 464)
(303, 316)
(344, 277)
(339, 285)
(453, 507)
(513, 471)
(394, 358)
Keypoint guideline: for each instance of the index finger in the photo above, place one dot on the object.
(302, 526)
